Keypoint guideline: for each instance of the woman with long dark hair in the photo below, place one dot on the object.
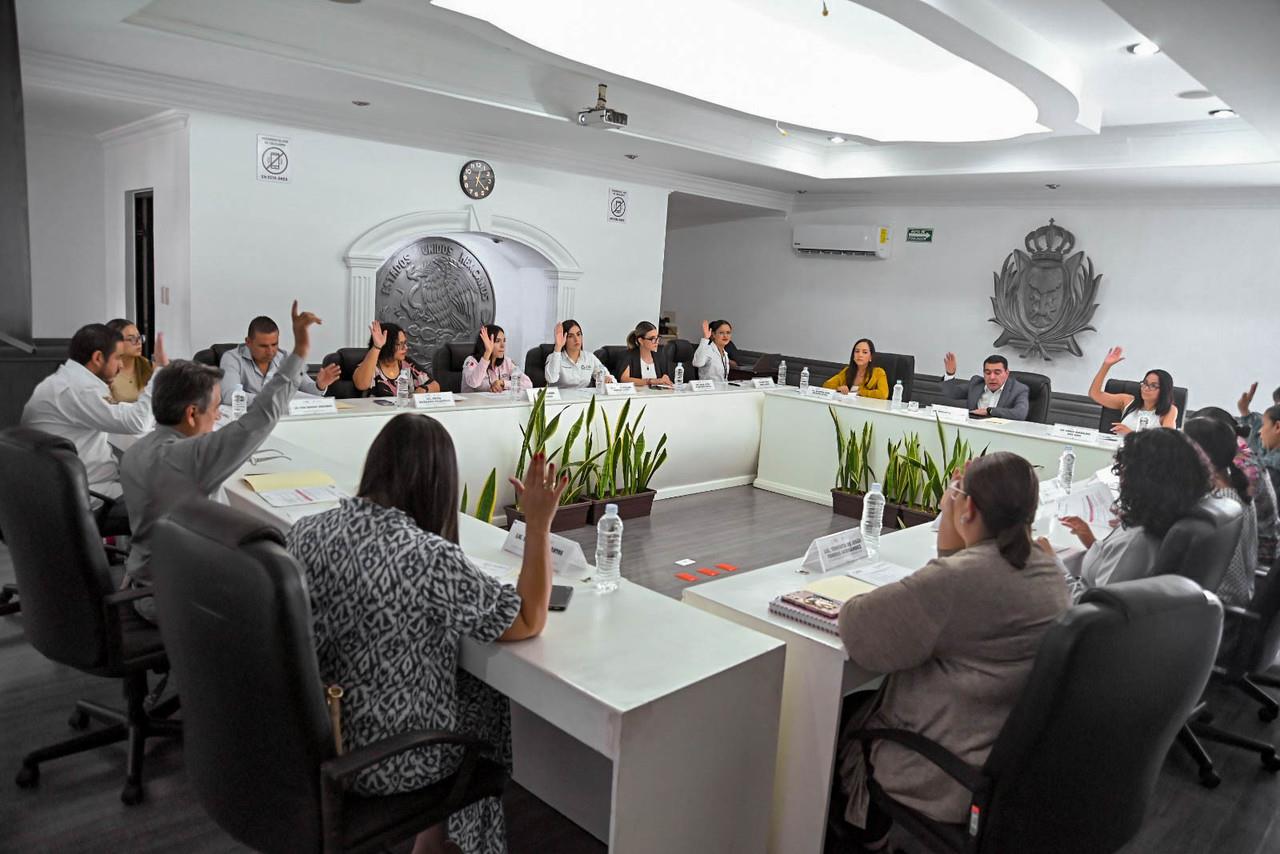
(569, 364)
(392, 596)
(135, 368)
(1152, 407)
(956, 640)
(645, 363)
(862, 373)
(1261, 489)
(1218, 441)
(388, 355)
(488, 368)
(712, 356)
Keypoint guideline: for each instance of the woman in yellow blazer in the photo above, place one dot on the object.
(861, 373)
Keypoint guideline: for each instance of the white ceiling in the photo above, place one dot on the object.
(441, 80)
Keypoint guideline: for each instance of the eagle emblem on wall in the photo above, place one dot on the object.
(1045, 296)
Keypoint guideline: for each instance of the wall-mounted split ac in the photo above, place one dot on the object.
(858, 241)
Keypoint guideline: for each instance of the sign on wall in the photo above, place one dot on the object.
(273, 159)
(919, 235)
(617, 205)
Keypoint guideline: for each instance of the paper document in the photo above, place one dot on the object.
(1091, 501)
(287, 480)
(879, 572)
(297, 495)
(500, 571)
(840, 587)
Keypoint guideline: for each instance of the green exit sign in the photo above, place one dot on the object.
(919, 235)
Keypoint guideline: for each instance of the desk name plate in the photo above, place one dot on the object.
(615, 389)
(702, 385)
(313, 406)
(566, 555)
(433, 400)
(821, 393)
(834, 551)
(1074, 433)
(954, 414)
(761, 382)
(553, 393)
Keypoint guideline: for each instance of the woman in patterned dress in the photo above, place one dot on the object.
(392, 595)
(388, 355)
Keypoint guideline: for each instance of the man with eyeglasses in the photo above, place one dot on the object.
(994, 394)
(75, 403)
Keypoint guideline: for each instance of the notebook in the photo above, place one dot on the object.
(821, 600)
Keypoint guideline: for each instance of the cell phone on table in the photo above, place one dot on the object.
(560, 596)
(382, 401)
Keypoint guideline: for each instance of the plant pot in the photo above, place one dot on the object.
(891, 513)
(847, 503)
(909, 517)
(629, 506)
(568, 516)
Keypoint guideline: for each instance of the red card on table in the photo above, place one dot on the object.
(686, 576)
(727, 567)
(706, 571)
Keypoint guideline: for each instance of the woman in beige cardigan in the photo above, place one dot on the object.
(956, 638)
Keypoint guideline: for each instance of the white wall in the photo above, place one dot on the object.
(1189, 289)
(255, 246)
(520, 290)
(65, 175)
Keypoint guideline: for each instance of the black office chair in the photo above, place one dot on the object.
(680, 351)
(1075, 763)
(446, 364)
(1041, 394)
(71, 612)
(9, 603)
(898, 367)
(1265, 643)
(348, 359)
(535, 364)
(613, 357)
(1109, 417)
(212, 355)
(259, 746)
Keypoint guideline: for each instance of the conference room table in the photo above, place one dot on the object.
(650, 724)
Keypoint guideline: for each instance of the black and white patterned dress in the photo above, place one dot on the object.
(389, 606)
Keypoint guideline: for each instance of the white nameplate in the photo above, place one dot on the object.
(821, 393)
(913, 406)
(951, 413)
(702, 385)
(761, 382)
(566, 555)
(313, 406)
(553, 393)
(834, 551)
(1074, 433)
(615, 389)
(433, 400)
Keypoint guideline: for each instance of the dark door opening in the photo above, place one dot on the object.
(144, 269)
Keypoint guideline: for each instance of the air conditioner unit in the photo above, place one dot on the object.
(862, 241)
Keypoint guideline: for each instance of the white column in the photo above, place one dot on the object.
(562, 291)
(361, 299)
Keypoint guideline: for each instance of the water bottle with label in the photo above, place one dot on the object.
(679, 376)
(608, 550)
(404, 388)
(872, 519)
(782, 372)
(897, 395)
(1067, 467)
(804, 380)
(599, 380)
(239, 402)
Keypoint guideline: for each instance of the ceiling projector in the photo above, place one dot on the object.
(600, 116)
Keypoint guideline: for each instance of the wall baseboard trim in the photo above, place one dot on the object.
(705, 486)
(792, 492)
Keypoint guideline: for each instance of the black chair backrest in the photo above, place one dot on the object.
(613, 357)
(212, 355)
(235, 620)
(681, 351)
(1200, 545)
(446, 364)
(1109, 417)
(57, 553)
(535, 364)
(898, 367)
(347, 359)
(1114, 679)
(1041, 394)
(1266, 604)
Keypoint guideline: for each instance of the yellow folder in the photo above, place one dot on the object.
(287, 480)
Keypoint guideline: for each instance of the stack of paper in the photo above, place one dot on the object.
(294, 488)
(879, 572)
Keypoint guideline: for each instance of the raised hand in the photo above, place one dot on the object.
(559, 337)
(949, 363)
(1246, 400)
(378, 334)
(486, 341)
(328, 375)
(1114, 355)
(539, 494)
(161, 358)
(706, 329)
(1080, 528)
(301, 336)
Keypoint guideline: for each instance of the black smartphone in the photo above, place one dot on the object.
(560, 596)
(382, 401)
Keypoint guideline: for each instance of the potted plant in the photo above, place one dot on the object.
(853, 468)
(938, 470)
(574, 510)
(627, 466)
(488, 497)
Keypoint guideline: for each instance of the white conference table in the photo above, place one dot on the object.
(818, 677)
(650, 724)
(798, 442)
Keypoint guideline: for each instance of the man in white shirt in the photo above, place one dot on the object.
(994, 394)
(75, 403)
(256, 361)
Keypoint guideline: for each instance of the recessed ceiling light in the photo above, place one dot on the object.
(1195, 94)
(632, 156)
(837, 139)
(1143, 48)
(1223, 114)
(1053, 186)
(360, 103)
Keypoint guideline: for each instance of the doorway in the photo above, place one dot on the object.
(141, 252)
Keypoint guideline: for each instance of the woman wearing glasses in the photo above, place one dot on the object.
(135, 368)
(713, 358)
(644, 364)
(1153, 407)
(569, 365)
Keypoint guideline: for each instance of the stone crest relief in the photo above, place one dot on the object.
(438, 291)
(1045, 296)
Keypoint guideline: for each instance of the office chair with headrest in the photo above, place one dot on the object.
(1076, 761)
(614, 358)
(446, 364)
(898, 367)
(1109, 417)
(680, 351)
(1040, 394)
(259, 745)
(347, 359)
(535, 364)
(71, 611)
(212, 355)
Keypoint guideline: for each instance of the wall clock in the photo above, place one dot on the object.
(476, 179)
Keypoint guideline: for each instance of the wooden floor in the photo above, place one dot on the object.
(77, 806)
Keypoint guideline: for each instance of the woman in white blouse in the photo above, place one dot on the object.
(712, 356)
(569, 365)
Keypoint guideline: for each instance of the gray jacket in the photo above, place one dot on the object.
(1015, 397)
(165, 468)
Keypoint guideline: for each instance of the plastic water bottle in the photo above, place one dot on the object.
(679, 376)
(239, 402)
(804, 380)
(897, 395)
(516, 390)
(608, 550)
(872, 519)
(599, 381)
(1067, 467)
(404, 387)
(782, 372)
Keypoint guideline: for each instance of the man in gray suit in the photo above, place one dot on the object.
(994, 394)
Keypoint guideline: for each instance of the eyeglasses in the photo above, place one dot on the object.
(133, 339)
(1150, 386)
(650, 338)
